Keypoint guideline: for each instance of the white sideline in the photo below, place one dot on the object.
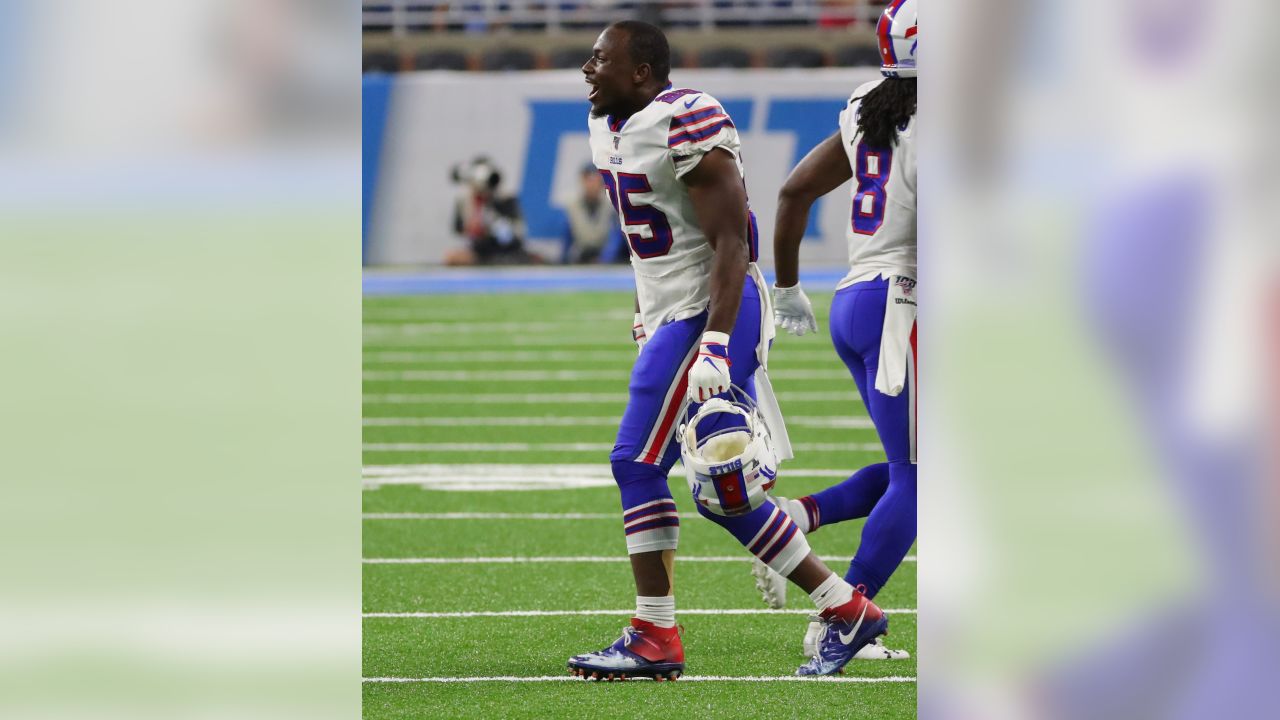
(854, 422)
(578, 447)
(572, 398)
(573, 559)
(683, 678)
(625, 612)
(527, 376)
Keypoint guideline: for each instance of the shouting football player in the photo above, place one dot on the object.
(873, 314)
(670, 161)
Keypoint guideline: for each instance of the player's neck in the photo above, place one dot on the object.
(643, 98)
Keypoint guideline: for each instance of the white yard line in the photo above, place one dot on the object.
(528, 376)
(502, 516)
(494, 343)
(843, 398)
(853, 422)
(471, 327)
(578, 447)
(467, 477)
(575, 613)
(683, 678)
(576, 558)
(416, 315)
(622, 354)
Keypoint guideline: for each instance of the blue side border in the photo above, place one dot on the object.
(374, 101)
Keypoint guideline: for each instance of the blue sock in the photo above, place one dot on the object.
(888, 534)
(851, 499)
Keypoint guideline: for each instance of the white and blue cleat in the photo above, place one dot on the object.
(845, 630)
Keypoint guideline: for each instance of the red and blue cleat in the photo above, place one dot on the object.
(845, 630)
(644, 650)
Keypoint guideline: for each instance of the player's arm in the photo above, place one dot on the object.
(720, 200)
(824, 169)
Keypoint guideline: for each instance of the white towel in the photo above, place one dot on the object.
(895, 337)
(766, 400)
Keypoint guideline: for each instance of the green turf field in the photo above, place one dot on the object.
(487, 419)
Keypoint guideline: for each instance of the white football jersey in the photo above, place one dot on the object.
(643, 160)
(882, 220)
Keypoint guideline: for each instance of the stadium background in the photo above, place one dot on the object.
(491, 394)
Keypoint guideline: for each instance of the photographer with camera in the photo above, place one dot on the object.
(489, 220)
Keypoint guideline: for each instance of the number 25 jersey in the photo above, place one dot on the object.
(643, 161)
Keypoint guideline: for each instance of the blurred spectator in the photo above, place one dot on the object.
(490, 220)
(590, 223)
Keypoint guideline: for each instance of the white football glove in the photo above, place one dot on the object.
(709, 375)
(792, 311)
(637, 332)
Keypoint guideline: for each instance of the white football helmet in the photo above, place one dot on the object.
(897, 35)
(728, 455)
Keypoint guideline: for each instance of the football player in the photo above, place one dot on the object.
(873, 314)
(671, 163)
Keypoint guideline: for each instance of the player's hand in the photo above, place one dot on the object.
(709, 375)
(792, 311)
(637, 332)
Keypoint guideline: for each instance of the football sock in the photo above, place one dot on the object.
(768, 533)
(833, 592)
(795, 509)
(854, 498)
(888, 534)
(660, 611)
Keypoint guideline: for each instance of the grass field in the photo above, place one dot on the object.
(487, 424)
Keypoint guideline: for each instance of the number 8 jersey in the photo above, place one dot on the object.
(643, 161)
(882, 221)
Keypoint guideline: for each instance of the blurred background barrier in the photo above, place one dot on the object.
(532, 126)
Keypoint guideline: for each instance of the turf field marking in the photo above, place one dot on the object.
(412, 315)
(575, 558)
(503, 516)
(472, 326)
(509, 341)
(624, 354)
(626, 612)
(683, 678)
(526, 376)
(853, 422)
(491, 477)
(578, 447)
(843, 398)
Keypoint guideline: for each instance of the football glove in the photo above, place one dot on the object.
(709, 375)
(792, 311)
(637, 332)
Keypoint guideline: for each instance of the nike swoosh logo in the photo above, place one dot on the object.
(689, 103)
(846, 639)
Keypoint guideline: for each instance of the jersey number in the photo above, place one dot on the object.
(872, 175)
(620, 190)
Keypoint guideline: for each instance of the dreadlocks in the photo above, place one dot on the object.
(887, 107)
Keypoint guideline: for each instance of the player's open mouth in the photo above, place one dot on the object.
(594, 91)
